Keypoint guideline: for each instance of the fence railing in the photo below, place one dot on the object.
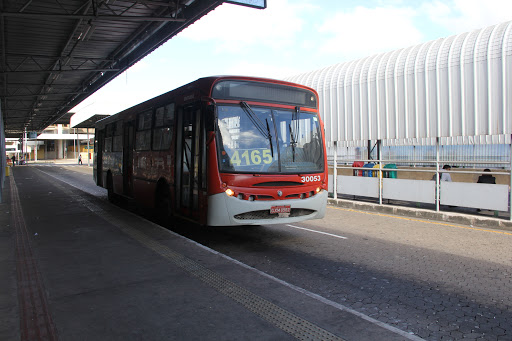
(383, 179)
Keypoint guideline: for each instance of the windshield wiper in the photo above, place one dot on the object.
(297, 123)
(294, 137)
(270, 139)
(258, 124)
(293, 142)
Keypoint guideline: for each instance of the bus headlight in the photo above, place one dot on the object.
(230, 192)
(318, 189)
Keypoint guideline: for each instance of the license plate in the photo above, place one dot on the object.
(280, 209)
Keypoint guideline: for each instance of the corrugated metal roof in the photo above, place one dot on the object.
(89, 122)
(56, 53)
(450, 87)
(64, 119)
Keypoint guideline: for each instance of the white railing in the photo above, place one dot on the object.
(422, 189)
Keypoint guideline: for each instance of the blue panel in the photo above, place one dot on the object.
(250, 3)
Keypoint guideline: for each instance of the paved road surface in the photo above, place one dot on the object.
(436, 280)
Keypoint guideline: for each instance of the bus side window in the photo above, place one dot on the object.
(143, 134)
(162, 132)
(109, 130)
(118, 137)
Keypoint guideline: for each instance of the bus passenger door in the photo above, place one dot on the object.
(128, 141)
(98, 161)
(189, 164)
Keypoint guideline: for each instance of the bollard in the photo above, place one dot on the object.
(7, 171)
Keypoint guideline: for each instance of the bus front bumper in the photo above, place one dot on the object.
(224, 210)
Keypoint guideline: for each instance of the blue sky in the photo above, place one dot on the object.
(288, 38)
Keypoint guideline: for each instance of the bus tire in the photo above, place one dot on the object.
(163, 204)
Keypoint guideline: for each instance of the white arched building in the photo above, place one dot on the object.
(450, 87)
(454, 90)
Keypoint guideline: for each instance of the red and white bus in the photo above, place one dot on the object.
(219, 151)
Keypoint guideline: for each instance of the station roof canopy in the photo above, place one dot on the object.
(90, 122)
(65, 119)
(56, 53)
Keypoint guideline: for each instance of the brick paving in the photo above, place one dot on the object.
(435, 280)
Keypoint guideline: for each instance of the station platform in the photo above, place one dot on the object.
(75, 267)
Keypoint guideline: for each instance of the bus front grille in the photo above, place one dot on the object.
(265, 214)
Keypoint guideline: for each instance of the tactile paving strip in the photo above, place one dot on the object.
(35, 319)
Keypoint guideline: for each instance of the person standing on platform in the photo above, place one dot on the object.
(446, 176)
(80, 159)
(13, 158)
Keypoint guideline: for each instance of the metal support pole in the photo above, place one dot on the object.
(88, 150)
(74, 143)
(379, 173)
(335, 172)
(378, 149)
(25, 149)
(438, 182)
(414, 155)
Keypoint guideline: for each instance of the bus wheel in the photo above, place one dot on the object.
(163, 204)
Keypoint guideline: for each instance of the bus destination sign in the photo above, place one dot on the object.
(251, 3)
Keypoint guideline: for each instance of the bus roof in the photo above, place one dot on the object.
(201, 87)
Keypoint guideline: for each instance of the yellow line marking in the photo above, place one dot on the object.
(422, 221)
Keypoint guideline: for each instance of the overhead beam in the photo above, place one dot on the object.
(44, 94)
(57, 71)
(38, 109)
(54, 57)
(88, 17)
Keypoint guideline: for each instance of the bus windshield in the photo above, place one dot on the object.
(267, 140)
